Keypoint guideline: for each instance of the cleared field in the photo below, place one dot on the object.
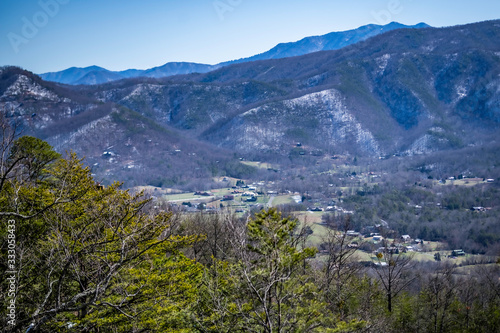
(152, 190)
(222, 191)
(231, 180)
(463, 182)
(318, 235)
(183, 196)
(261, 165)
(282, 200)
(320, 231)
(188, 197)
(310, 217)
(239, 201)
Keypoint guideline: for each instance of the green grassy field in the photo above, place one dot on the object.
(320, 231)
(222, 191)
(238, 202)
(282, 200)
(191, 197)
(184, 196)
(310, 217)
(318, 235)
(313, 219)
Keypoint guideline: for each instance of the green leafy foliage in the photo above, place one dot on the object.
(100, 259)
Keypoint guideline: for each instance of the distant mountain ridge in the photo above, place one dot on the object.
(426, 87)
(406, 92)
(98, 75)
(332, 41)
(329, 42)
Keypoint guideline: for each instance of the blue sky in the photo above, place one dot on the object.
(52, 35)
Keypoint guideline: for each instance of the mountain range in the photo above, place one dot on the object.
(332, 41)
(406, 92)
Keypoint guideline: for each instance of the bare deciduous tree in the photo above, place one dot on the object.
(340, 267)
(392, 272)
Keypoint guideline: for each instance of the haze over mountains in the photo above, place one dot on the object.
(332, 41)
(404, 92)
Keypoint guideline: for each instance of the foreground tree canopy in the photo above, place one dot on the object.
(88, 258)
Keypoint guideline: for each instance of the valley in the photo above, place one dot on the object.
(375, 128)
(349, 181)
